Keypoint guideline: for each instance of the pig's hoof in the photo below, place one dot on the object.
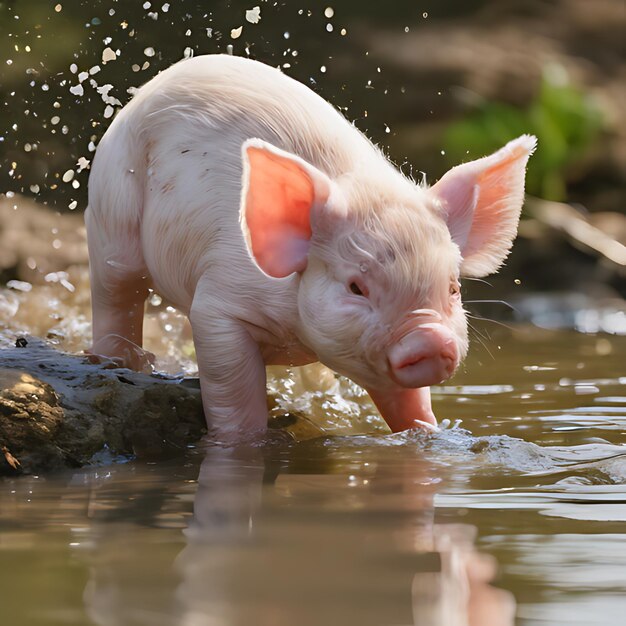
(138, 362)
(107, 362)
(122, 353)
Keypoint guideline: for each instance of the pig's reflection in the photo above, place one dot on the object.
(272, 544)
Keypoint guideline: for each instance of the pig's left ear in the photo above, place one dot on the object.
(482, 201)
(280, 192)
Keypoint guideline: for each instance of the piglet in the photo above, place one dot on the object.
(287, 237)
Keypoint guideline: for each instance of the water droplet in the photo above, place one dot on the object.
(82, 163)
(253, 15)
(108, 54)
(329, 12)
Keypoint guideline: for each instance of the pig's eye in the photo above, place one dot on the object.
(357, 289)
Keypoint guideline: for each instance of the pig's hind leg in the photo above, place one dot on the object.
(119, 287)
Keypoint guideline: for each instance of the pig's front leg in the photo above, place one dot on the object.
(232, 373)
(405, 408)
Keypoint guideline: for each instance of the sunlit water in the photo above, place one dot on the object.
(352, 526)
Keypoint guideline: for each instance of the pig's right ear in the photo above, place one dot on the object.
(280, 193)
(481, 201)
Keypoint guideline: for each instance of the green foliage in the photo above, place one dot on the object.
(565, 121)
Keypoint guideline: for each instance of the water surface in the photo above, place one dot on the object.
(353, 525)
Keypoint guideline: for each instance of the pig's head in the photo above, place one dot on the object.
(380, 258)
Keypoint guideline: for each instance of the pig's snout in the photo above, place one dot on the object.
(424, 356)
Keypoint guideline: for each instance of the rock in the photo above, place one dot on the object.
(58, 410)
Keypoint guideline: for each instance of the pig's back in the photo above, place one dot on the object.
(178, 144)
(244, 98)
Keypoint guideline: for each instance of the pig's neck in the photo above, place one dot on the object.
(275, 322)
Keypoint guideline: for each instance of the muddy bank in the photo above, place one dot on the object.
(36, 240)
(58, 410)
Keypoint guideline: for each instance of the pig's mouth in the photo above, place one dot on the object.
(423, 371)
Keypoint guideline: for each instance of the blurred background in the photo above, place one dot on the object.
(435, 82)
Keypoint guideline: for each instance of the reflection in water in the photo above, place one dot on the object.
(343, 530)
(272, 541)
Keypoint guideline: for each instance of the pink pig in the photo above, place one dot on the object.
(287, 237)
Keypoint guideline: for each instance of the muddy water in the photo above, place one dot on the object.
(354, 527)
